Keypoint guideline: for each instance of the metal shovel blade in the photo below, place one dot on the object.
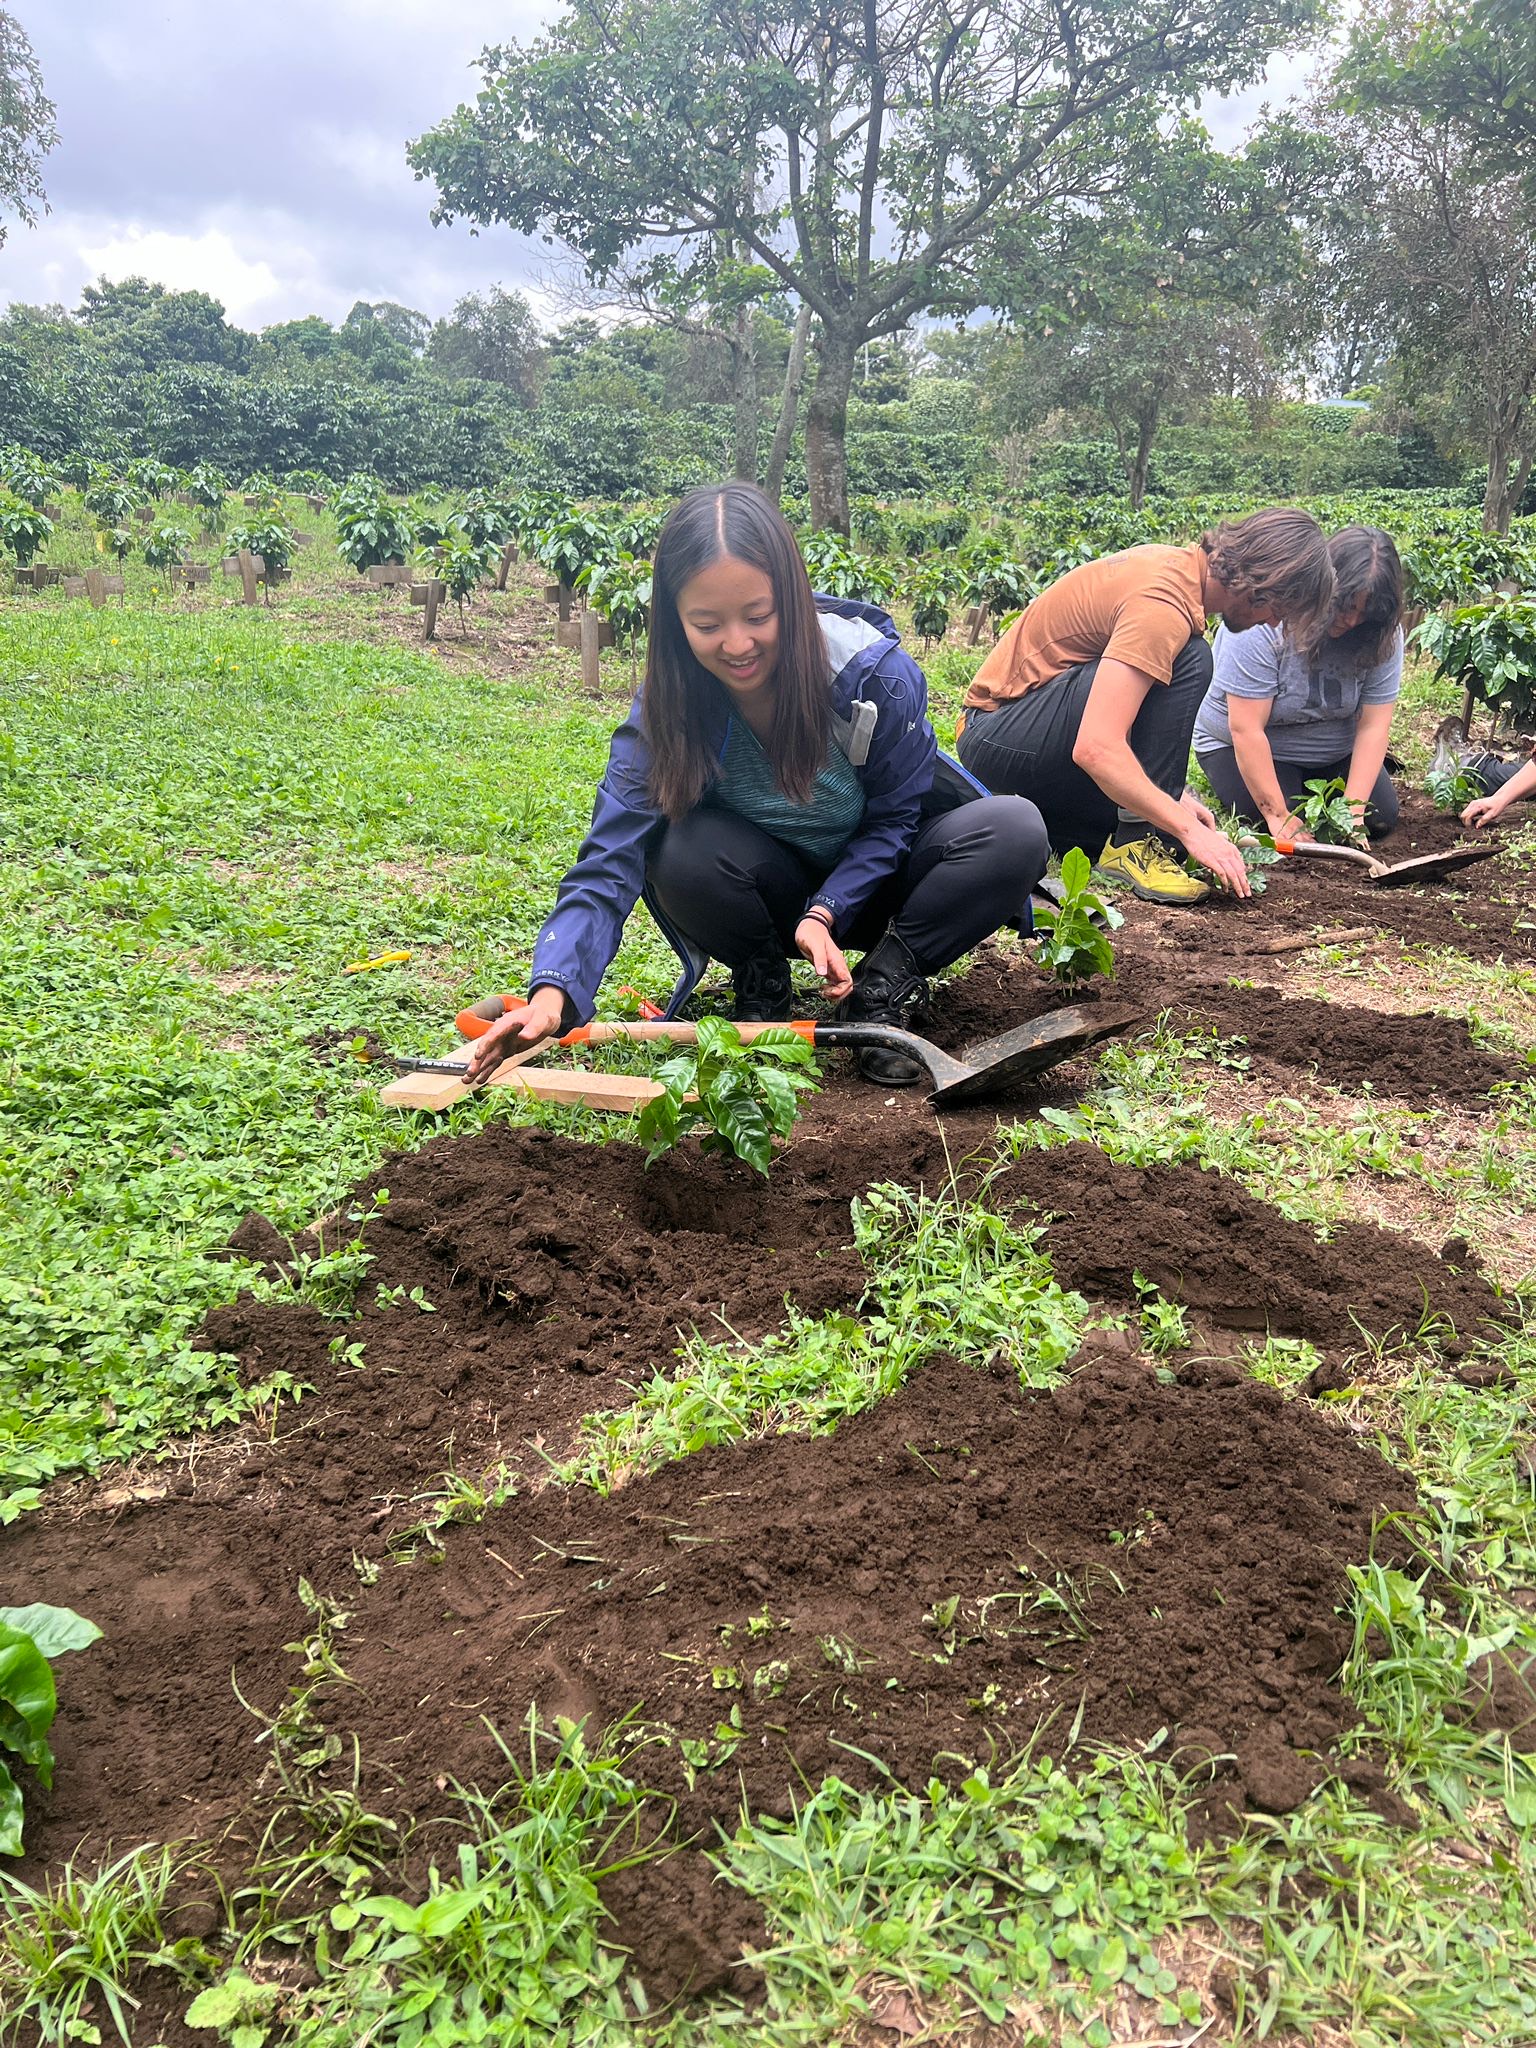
(1428, 865)
(998, 1063)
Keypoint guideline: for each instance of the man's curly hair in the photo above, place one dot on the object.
(1278, 559)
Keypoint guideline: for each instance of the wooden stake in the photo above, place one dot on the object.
(978, 619)
(1298, 942)
(508, 557)
(437, 590)
(591, 641)
(248, 575)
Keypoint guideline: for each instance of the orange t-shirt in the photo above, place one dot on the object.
(1139, 606)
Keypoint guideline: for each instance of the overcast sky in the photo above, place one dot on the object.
(258, 152)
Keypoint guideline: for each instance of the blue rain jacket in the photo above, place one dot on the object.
(880, 717)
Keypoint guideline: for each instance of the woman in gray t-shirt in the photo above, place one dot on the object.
(1278, 716)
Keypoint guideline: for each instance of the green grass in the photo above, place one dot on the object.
(206, 821)
(209, 812)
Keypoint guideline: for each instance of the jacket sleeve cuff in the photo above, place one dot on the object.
(571, 1014)
(821, 901)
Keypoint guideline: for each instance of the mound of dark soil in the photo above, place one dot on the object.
(939, 1577)
(1484, 911)
(1201, 1239)
(1423, 1059)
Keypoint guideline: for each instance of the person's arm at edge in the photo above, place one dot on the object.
(1484, 810)
(1103, 750)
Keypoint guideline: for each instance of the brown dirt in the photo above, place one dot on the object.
(1482, 911)
(1201, 1239)
(559, 1275)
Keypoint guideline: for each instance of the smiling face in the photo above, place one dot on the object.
(731, 620)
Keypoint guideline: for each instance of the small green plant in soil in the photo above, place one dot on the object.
(1326, 814)
(1452, 789)
(23, 528)
(744, 1095)
(1076, 943)
(30, 1638)
(167, 545)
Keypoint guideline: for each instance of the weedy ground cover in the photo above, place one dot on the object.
(209, 814)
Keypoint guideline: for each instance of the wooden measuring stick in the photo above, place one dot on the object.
(618, 1092)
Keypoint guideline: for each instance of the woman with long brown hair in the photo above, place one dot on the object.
(1280, 714)
(776, 791)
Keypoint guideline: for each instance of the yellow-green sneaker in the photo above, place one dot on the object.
(1154, 871)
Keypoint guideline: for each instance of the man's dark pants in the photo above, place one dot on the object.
(1024, 747)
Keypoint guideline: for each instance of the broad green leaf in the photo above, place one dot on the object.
(10, 1814)
(26, 1683)
(439, 1916)
(53, 1629)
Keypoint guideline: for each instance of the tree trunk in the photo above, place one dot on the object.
(789, 406)
(826, 432)
(1504, 447)
(744, 379)
(1146, 434)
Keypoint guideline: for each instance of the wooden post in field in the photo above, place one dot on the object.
(431, 594)
(508, 557)
(249, 572)
(977, 620)
(591, 642)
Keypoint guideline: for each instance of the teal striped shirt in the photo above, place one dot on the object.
(818, 830)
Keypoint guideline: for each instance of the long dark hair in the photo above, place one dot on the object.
(734, 519)
(1366, 566)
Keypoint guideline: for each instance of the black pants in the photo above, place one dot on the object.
(1493, 771)
(1226, 778)
(1025, 746)
(739, 893)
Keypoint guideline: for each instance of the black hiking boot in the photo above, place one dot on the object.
(886, 985)
(762, 990)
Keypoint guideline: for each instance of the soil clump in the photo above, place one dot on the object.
(917, 1591)
(1202, 1239)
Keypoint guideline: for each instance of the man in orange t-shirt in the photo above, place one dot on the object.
(1087, 703)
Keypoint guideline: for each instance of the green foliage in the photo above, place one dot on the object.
(619, 590)
(1326, 813)
(510, 1947)
(742, 1095)
(166, 545)
(30, 1638)
(1452, 789)
(462, 562)
(26, 476)
(23, 528)
(567, 546)
(272, 539)
(111, 501)
(238, 2008)
(369, 528)
(1076, 943)
(206, 487)
(1489, 649)
(838, 570)
(152, 479)
(933, 589)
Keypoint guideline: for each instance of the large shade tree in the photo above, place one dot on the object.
(1434, 229)
(1145, 303)
(865, 153)
(27, 132)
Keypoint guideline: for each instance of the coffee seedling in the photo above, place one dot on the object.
(744, 1095)
(1076, 942)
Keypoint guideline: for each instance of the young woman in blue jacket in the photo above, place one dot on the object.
(776, 790)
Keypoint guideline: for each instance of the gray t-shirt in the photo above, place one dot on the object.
(1316, 703)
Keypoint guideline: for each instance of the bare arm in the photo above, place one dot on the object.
(1249, 719)
(1103, 750)
(1369, 754)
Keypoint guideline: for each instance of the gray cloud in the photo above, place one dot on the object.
(263, 160)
